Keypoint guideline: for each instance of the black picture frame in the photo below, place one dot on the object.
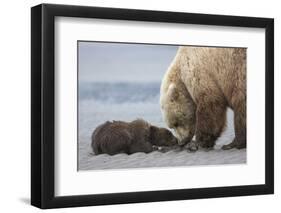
(43, 102)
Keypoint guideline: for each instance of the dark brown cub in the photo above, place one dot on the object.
(129, 137)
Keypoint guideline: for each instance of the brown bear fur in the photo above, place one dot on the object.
(198, 87)
(129, 137)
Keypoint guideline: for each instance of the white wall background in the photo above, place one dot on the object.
(15, 105)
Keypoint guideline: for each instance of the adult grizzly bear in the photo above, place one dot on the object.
(196, 90)
(130, 137)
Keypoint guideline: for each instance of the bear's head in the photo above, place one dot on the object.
(162, 137)
(179, 112)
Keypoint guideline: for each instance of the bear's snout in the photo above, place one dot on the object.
(184, 141)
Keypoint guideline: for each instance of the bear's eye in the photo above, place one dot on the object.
(176, 124)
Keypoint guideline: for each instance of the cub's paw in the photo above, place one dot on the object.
(156, 148)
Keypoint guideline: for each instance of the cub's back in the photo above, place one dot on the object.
(111, 137)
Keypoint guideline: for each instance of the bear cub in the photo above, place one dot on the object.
(130, 137)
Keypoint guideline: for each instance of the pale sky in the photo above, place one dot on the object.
(115, 62)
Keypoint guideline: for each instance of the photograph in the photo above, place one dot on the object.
(160, 105)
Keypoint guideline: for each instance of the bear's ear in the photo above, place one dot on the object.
(172, 92)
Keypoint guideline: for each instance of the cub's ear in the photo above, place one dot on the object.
(152, 129)
(172, 93)
(152, 134)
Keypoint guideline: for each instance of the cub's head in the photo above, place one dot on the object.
(162, 137)
(178, 110)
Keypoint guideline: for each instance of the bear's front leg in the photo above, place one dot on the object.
(210, 121)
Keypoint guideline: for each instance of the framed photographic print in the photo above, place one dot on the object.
(139, 106)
